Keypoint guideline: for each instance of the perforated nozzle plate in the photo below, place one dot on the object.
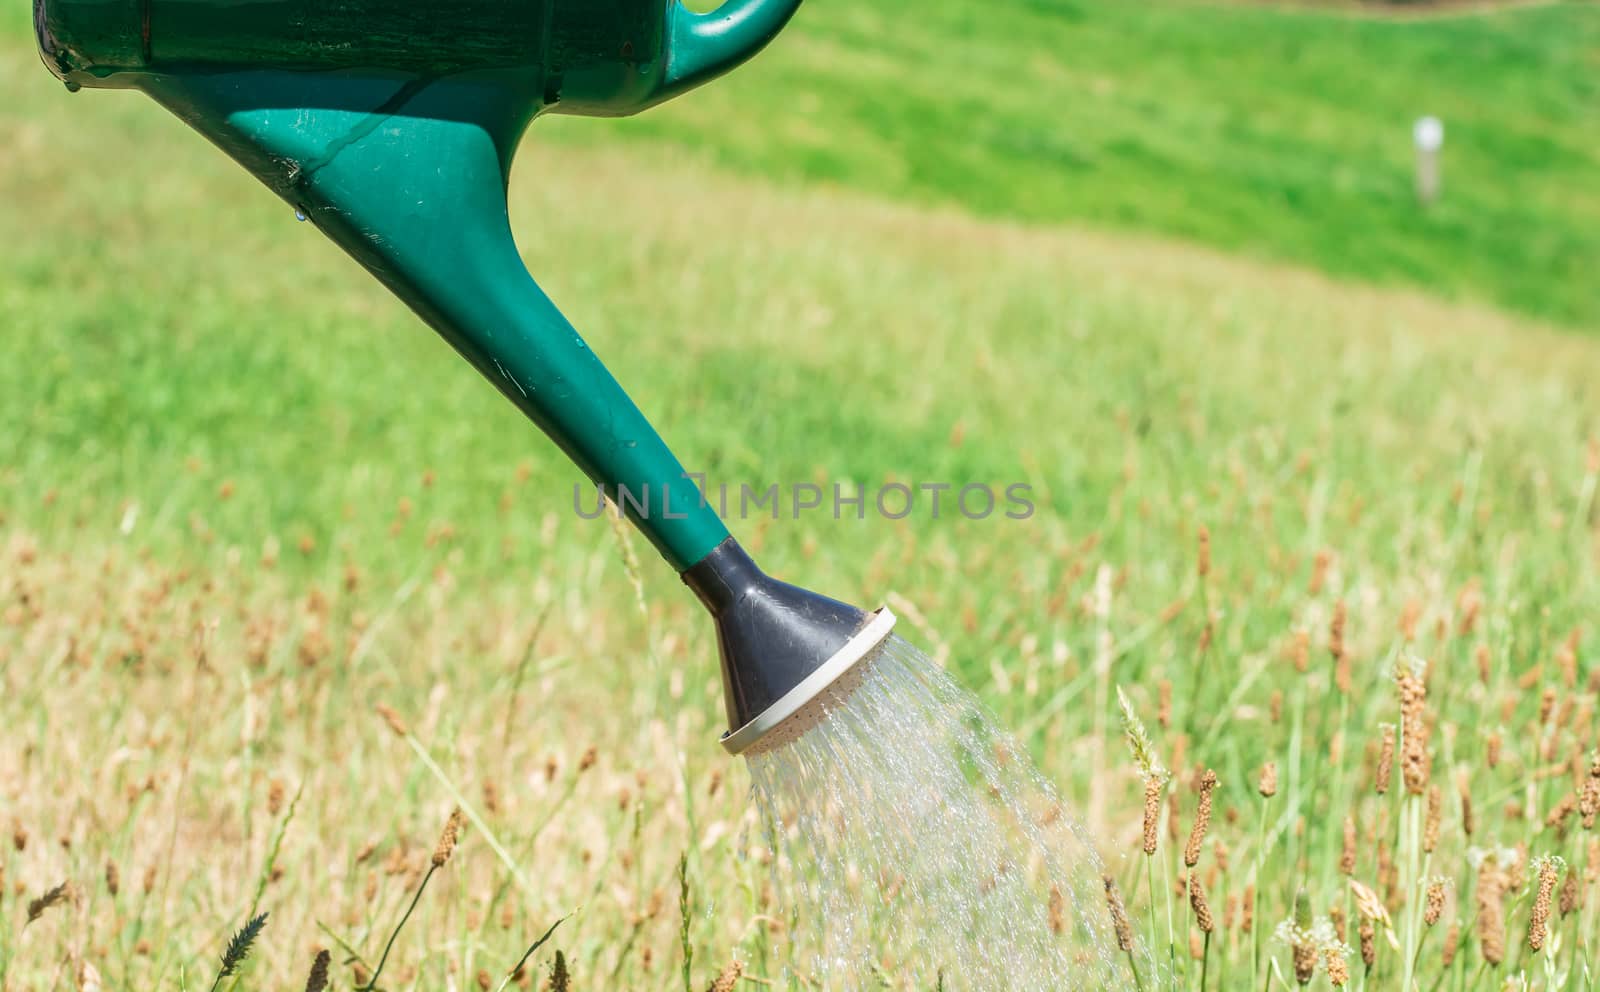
(814, 712)
(823, 691)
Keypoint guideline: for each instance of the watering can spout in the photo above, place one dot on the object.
(391, 125)
(408, 175)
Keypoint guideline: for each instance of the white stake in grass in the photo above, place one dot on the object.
(1428, 134)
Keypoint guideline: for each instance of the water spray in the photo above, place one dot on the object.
(391, 125)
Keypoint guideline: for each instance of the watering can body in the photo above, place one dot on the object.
(592, 57)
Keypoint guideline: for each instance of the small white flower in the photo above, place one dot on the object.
(1555, 860)
(1409, 663)
(1320, 935)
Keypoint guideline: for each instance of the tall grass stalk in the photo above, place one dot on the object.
(271, 862)
(471, 813)
(510, 976)
(685, 943)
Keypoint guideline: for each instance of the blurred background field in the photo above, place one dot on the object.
(1161, 261)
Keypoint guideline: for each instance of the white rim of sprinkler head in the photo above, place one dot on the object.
(855, 649)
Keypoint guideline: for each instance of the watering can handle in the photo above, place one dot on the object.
(703, 46)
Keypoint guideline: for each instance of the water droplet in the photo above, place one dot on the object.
(579, 342)
(299, 213)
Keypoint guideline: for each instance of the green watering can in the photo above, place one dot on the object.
(391, 124)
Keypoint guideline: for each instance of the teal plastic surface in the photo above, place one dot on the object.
(401, 153)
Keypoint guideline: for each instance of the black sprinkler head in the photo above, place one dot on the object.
(788, 655)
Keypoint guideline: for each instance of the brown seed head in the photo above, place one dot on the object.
(1319, 571)
(1409, 615)
(1430, 823)
(1388, 874)
(1517, 870)
(1120, 924)
(1369, 943)
(1491, 750)
(318, 979)
(275, 797)
(1268, 786)
(1452, 940)
(1202, 908)
(1385, 759)
(729, 977)
(1338, 968)
(1539, 919)
(1203, 564)
(1589, 801)
(53, 897)
(559, 980)
(1336, 648)
(1202, 819)
(1347, 857)
(392, 718)
(1571, 894)
(1434, 908)
(1567, 661)
(1305, 962)
(1058, 910)
(491, 796)
(113, 878)
(1490, 897)
(1247, 909)
(1152, 813)
(447, 838)
(1470, 605)
(1556, 819)
(1414, 761)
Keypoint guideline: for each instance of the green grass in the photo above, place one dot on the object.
(1281, 133)
(167, 331)
(1277, 132)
